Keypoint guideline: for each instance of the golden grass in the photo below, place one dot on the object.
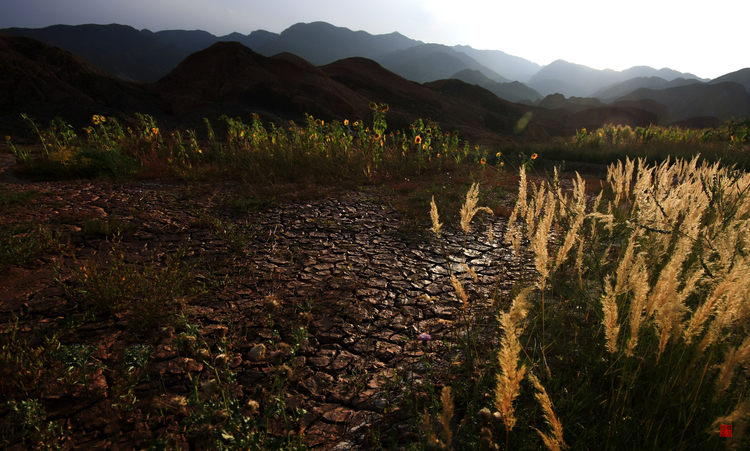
(510, 375)
(555, 441)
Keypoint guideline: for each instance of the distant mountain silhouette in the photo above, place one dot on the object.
(287, 84)
(186, 42)
(196, 40)
(724, 101)
(514, 91)
(428, 62)
(119, 50)
(573, 104)
(508, 66)
(229, 78)
(582, 81)
(612, 92)
(741, 76)
(665, 73)
(46, 82)
(322, 43)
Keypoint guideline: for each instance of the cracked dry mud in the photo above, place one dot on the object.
(344, 264)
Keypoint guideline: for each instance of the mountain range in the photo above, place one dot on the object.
(324, 70)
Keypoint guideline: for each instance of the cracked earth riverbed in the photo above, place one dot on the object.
(344, 266)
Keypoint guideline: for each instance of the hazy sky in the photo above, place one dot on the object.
(707, 39)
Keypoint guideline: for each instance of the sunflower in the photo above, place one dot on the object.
(418, 140)
(533, 156)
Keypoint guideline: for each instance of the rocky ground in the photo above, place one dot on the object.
(343, 266)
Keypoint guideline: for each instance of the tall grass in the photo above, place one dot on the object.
(635, 325)
(728, 143)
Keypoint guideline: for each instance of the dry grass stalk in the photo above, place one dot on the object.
(734, 357)
(460, 293)
(609, 306)
(510, 375)
(579, 213)
(579, 262)
(705, 310)
(447, 415)
(520, 210)
(471, 272)
(469, 208)
(540, 195)
(436, 225)
(620, 177)
(429, 431)
(539, 242)
(490, 236)
(513, 231)
(555, 441)
(638, 285)
(666, 302)
(626, 263)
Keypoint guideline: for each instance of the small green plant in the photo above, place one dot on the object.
(24, 243)
(22, 156)
(134, 360)
(29, 416)
(74, 361)
(111, 227)
(153, 293)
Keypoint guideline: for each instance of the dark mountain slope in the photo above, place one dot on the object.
(119, 50)
(478, 114)
(573, 104)
(185, 41)
(741, 76)
(513, 92)
(230, 78)
(725, 100)
(44, 82)
(612, 92)
(428, 62)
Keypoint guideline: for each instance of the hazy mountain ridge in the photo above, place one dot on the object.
(322, 43)
(514, 91)
(612, 92)
(509, 66)
(119, 50)
(429, 62)
(578, 80)
(724, 100)
(741, 76)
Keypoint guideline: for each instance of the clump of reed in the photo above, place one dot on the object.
(635, 323)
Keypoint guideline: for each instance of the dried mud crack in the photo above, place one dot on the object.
(342, 266)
